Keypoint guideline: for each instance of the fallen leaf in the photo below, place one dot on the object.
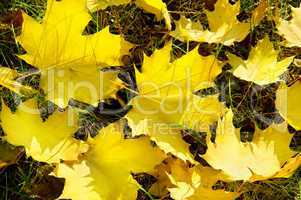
(287, 103)
(165, 90)
(183, 182)
(291, 30)
(71, 63)
(7, 80)
(109, 164)
(77, 182)
(262, 66)
(223, 25)
(49, 141)
(202, 112)
(263, 158)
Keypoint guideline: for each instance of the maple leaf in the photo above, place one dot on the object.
(291, 30)
(264, 157)
(287, 104)
(156, 7)
(78, 183)
(183, 182)
(171, 142)
(262, 66)
(111, 160)
(187, 30)
(169, 139)
(223, 24)
(70, 63)
(202, 112)
(49, 141)
(289, 168)
(165, 90)
(7, 80)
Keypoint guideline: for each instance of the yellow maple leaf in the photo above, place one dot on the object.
(157, 7)
(78, 183)
(202, 112)
(291, 30)
(70, 63)
(171, 142)
(187, 30)
(49, 141)
(111, 159)
(189, 183)
(287, 103)
(164, 92)
(169, 139)
(265, 157)
(223, 24)
(262, 66)
(289, 168)
(166, 88)
(7, 80)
